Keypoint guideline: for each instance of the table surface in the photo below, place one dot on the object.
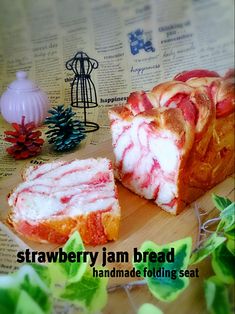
(142, 220)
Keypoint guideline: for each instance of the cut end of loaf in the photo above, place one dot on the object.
(148, 155)
(60, 197)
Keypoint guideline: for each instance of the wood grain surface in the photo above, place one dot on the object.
(141, 220)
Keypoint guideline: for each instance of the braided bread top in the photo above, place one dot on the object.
(200, 94)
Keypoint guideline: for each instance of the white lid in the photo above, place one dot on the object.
(22, 83)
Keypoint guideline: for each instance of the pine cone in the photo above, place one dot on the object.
(64, 132)
(26, 141)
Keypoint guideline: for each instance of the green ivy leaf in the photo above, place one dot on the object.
(223, 262)
(43, 273)
(89, 292)
(230, 234)
(166, 288)
(148, 308)
(27, 280)
(8, 295)
(69, 272)
(75, 270)
(231, 246)
(227, 216)
(26, 305)
(207, 247)
(217, 296)
(220, 202)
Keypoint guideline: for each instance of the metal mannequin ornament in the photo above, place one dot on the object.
(83, 92)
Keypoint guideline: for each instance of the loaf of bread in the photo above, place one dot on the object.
(177, 141)
(58, 198)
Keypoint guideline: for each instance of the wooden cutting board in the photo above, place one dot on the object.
(141, 220)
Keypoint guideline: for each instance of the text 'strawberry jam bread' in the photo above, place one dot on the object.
(58, 198)
(176, 141)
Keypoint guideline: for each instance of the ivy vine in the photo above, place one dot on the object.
(34, 287)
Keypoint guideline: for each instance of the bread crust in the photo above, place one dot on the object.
(206, 168)
(95, 228)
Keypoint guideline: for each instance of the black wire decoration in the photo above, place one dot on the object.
(83, 92)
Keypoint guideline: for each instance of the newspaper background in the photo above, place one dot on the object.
(40, 36)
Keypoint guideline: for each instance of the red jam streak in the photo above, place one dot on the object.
(65, 199)
(224, 108)
(172, 203)
(139, 102)
(189, 110)
(186, 75)
(176, 99)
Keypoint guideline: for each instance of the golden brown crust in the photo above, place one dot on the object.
(95, 228)
(121, 112)
(173, 120)
(111, 225)
(206, 168)
(98, 227)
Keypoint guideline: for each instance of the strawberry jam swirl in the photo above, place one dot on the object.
(65, 189)
(142, 165)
